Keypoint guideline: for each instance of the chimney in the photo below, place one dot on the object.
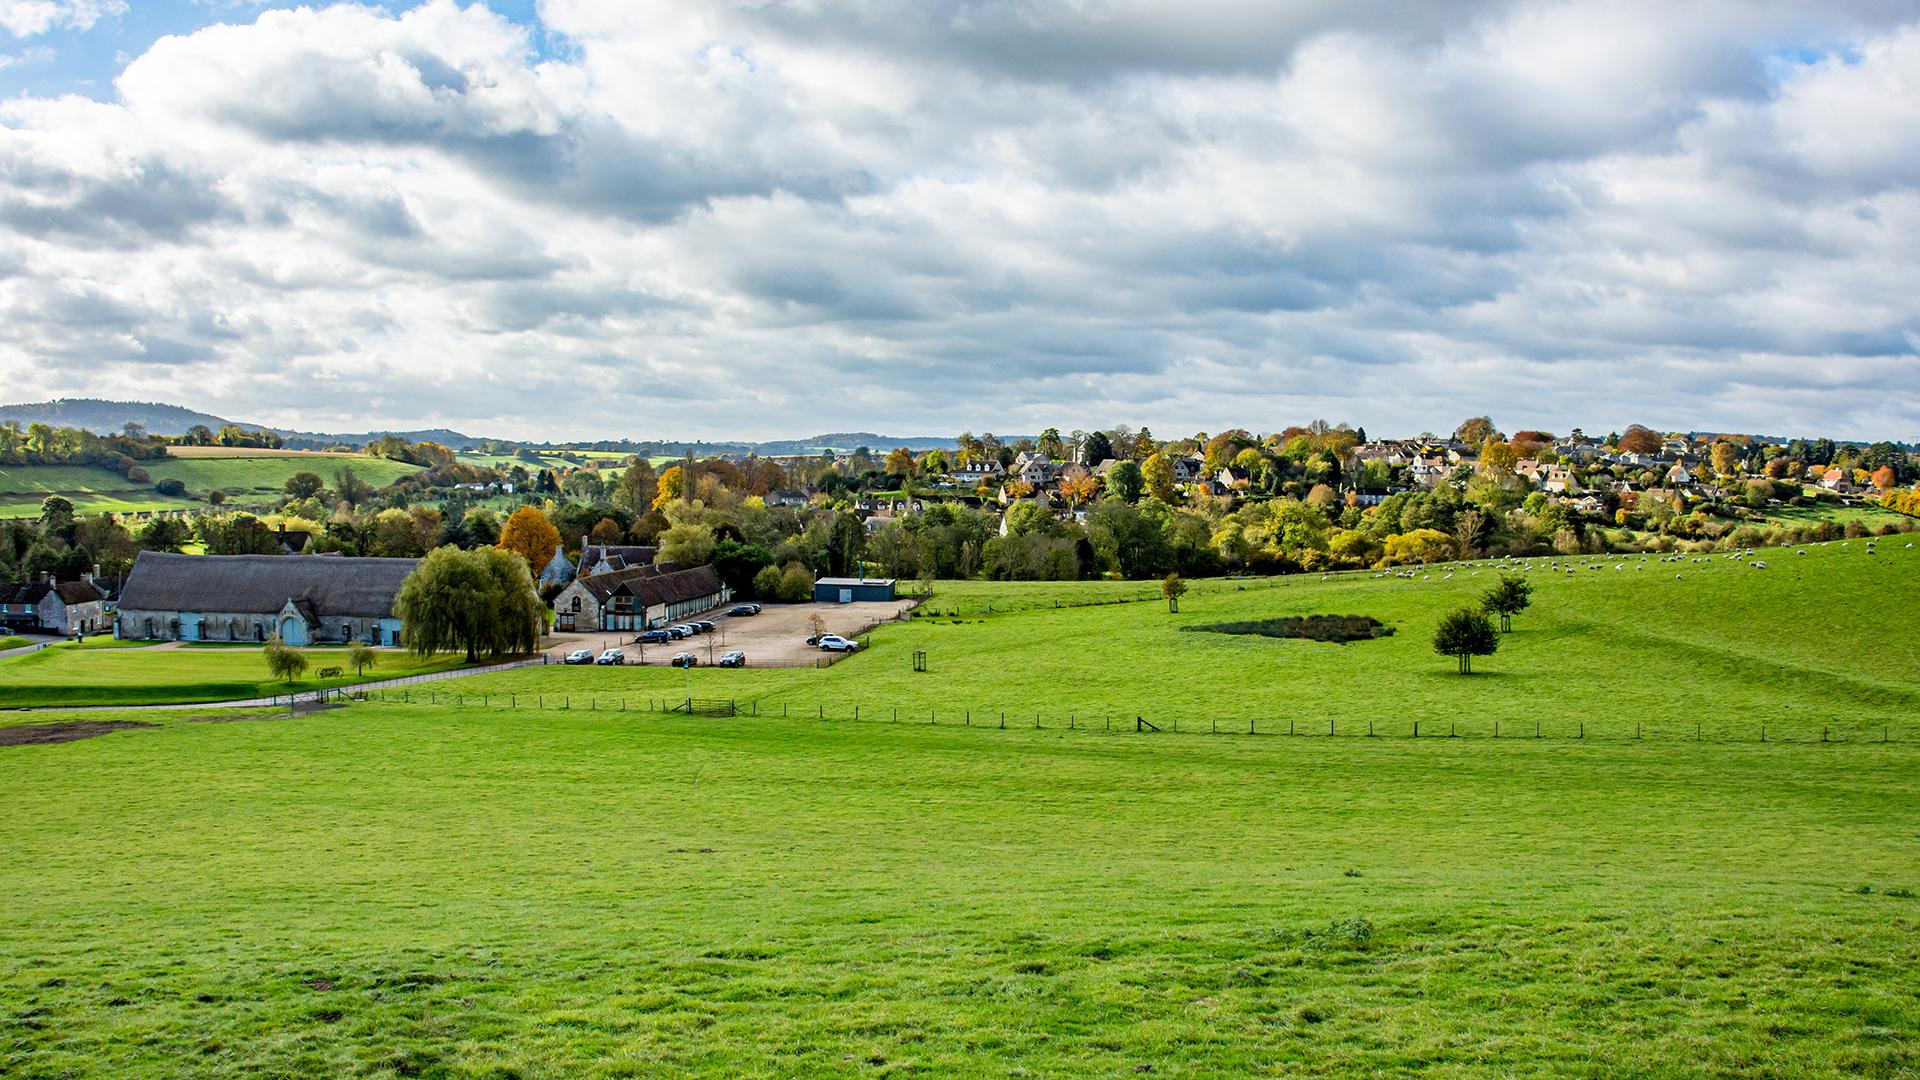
(46, 577)
(91, 574)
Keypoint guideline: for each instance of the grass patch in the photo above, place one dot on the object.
(124, 673)
(1339, 629)
(381, 889)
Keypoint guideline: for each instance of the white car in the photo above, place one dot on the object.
(836, 643)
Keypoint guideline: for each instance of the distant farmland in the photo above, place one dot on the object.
(247, 476)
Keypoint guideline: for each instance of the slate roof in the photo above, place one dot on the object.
(621, 556)
(262, 584)
(652, 587)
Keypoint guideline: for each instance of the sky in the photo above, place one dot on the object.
(768, 218)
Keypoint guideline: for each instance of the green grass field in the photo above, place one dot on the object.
(1726, 646)
(470, 890)
(108, 672)
(96, 490)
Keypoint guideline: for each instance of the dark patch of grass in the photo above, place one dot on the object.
(1338, 629)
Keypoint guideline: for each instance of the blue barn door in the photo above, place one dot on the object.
(189, 626)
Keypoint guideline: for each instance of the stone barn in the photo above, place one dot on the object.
(301, 599)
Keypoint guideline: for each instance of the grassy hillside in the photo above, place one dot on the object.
(248, 478)
(394, 891)
(131, 675)
(1816, 640)
(471, 890)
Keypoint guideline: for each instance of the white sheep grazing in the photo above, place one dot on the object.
(1676, 577)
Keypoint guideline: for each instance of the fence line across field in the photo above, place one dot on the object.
(1126, 722)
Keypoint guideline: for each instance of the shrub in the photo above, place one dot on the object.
(796, 584)
(138, 475)
(171, 487)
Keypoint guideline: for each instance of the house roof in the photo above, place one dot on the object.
(652, 587)
(654, 584)
(79, 592)
(622, 556)
(262, 584)
(847, 582)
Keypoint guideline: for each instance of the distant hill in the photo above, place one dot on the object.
(108, 417)
(104, 417)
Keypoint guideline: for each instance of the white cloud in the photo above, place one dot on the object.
(746, 218)
(29, 18)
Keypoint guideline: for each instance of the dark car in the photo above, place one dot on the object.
(654, 637)
(743, 609)
(705, 627)
(736, 658)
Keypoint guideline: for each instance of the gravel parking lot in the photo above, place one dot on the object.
(778, 634)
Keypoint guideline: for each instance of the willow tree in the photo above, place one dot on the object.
(482, 602)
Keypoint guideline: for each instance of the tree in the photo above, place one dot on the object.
(606, 531)
(900, 461)
(164, 534)
(1475, 430)
(531, 536)
(480, 601)
(352, 490)
(1157, 476)
(56, 517)
(671, 485)
(796, 587)
(1726, 458)
(304, 485)
(637, 487)
(1096, 448)
(1883, 477)
(1124, 480)
(1465, 634)
(360, 656)
(1173, 587)
(1510, 596)
(1640, 440)
(284, 662)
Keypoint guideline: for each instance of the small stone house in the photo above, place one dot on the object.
(49, 607)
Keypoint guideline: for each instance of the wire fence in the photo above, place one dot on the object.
(1125, 722)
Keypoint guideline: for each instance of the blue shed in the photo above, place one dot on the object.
(843, 590)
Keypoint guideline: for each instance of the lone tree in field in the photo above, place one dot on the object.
(1512, 595)
(1173, 588)
(480, 601)
(361, 656)
(1465, 634)
(285, 662)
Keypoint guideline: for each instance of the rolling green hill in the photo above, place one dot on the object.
(246, 479)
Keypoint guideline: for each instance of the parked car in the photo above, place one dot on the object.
(654, 637)
(736, 658)
(746, 609)
(580, 656)
(612, 656)
(814, 639)
(704, 626)
(836, 643)
(685, 659)
(678, 632)
(686, 629)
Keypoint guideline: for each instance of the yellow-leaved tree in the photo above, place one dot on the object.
(531, 536)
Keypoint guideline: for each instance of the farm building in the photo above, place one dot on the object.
(638, 598)
(835, 590)
(301, 599)
(49, 607)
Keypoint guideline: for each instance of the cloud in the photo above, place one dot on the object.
(29, 18)
(764, 219)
